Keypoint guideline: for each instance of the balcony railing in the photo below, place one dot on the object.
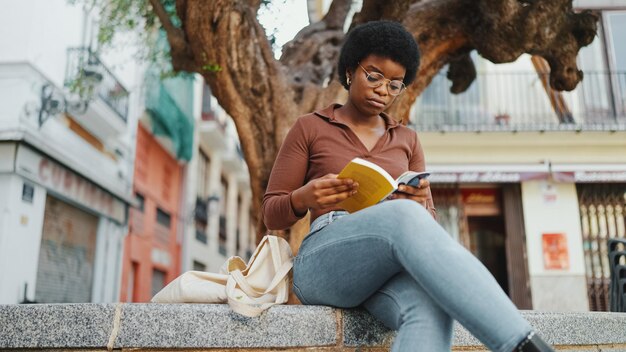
(523, 101)
(87, 76)
(169, 118)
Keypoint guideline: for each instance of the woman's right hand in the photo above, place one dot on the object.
(323, 192)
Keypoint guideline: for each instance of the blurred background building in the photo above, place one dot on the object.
(531, 180)
(112, 179)
(66, 156)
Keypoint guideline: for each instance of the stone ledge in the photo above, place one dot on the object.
(562, 329)
(207, 326)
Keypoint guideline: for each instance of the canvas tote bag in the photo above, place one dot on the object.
(249, 288)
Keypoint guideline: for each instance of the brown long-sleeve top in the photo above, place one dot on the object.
(317, 144)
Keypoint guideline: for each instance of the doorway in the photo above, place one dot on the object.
(487, 238)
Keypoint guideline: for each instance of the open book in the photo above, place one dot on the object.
(375, 184)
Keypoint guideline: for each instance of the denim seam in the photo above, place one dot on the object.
(376, 236)
(395, 300)
(298, 293)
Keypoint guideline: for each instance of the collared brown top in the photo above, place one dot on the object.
(318, 144)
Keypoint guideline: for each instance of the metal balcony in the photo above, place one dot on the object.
(89, 78)
(523, 101)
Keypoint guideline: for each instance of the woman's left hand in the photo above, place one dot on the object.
(419, 194)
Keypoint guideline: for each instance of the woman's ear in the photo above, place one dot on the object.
(348, 77)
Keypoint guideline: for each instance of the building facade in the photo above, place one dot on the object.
(152, 248)
(532, 180)
(192, 189)
(218, 191)
(65, 156)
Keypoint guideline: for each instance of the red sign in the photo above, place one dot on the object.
(479, 196)
(555, 253)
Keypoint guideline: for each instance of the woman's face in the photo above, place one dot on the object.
(370, 100)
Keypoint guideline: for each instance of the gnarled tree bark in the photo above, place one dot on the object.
(264, 96)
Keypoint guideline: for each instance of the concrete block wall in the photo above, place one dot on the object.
(206, 327)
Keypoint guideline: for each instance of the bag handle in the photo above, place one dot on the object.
(242, 281)
(236, 277)
(281, 271)
(255, 309)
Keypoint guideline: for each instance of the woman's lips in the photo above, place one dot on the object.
(376, 103)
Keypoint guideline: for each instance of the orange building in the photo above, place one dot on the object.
(152, 249)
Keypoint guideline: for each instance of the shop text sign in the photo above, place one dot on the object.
(477, 177)
(69, 184)
(516, 177)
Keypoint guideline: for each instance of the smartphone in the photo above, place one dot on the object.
(415, 181)
(412, 178)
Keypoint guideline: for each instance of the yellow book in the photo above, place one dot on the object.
(375, 184)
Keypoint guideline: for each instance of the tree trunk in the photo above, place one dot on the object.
(264, 96)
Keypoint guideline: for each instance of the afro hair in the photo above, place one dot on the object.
(383, 38)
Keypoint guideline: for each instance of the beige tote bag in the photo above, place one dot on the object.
(249, 289)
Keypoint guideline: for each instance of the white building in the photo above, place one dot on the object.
(531, 180)
(218, 191)
(65, 166)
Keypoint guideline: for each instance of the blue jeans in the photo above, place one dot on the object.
(396, 261)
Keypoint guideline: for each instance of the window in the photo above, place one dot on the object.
(131, 289)
(158, 281)
(140, 201)
(615, 28)
(199, 266)
(238, 241)
(166, 190)
(203, 175)
(201, 232)
(222, 235)
(222, 231)
(163, 218)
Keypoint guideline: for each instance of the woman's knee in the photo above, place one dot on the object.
(406, 218)
(409, 208)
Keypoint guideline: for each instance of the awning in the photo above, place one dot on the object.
(589, 173)
(515, 173)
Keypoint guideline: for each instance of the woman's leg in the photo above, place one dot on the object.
(350, 259)
(403, 305)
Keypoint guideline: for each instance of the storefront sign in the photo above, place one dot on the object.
(549, 193)
(69, 184)
(481, 201)
(479, 196)
(589, 176)
(516, 177)
(555, 252)
(484, 177)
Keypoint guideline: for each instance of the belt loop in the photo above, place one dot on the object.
(330, 216)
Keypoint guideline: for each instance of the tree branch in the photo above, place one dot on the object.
(163, 16)
(336, 16)
(310, 58)
(372, 10)
(182, 57)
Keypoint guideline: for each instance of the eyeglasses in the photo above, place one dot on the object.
(376, 79)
